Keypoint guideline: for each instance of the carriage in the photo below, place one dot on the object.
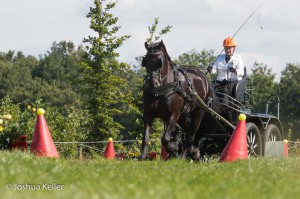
(262, 129)
(194, 114)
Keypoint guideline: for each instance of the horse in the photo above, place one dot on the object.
(167, 96)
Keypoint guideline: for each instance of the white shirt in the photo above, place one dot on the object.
(221, 67)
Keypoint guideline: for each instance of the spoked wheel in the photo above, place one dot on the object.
(254, 141)
(272, 133)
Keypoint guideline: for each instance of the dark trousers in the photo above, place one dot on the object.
(225, 87)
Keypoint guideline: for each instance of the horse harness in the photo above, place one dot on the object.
(172, 87)
(177, 87)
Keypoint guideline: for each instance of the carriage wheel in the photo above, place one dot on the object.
(272, 133)
(254, 141)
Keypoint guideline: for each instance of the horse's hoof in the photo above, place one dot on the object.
(196, 157)
(194, 153)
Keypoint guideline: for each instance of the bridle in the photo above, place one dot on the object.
(157, 74)
(154, 74)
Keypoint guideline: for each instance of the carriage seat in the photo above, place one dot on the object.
(238, 91)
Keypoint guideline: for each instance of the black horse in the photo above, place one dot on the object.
(167, 95)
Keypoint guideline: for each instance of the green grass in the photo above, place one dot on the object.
(254, 178)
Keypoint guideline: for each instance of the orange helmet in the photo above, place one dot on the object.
(229, 42)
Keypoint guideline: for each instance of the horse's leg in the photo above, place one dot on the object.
(192, 149)
(146, 134)
(170, 146)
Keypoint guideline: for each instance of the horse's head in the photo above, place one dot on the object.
(155, 61)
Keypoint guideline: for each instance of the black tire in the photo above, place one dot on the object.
(254, 140)
(272, 133)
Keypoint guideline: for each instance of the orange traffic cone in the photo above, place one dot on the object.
(236, 147)
(163, 153)
(286, 148)
(109, 152)
(42, 143)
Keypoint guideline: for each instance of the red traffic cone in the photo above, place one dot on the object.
(236, 147)
(163, 153)
(42, 143)
(286, 148)
(109, 152)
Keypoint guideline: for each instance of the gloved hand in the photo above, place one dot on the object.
(231, 69)
(209, 68)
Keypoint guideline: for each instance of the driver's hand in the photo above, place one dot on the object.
(231, 69)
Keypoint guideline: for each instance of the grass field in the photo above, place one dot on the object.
(100, 178)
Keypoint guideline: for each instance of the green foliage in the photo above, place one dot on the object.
(262, 80)
(17, 121)
(196, 59)
(70, 127)
(289, 89)
(14, 122)
(53, 78)
(131, 117)
(152, 31)
(16, 80)
(59, 72)
(102, 82)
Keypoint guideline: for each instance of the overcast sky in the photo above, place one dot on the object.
(32, 26)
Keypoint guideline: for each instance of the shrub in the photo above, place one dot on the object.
(16, 121)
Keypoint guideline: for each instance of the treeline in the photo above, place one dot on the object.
(55, 79)
(52, 78)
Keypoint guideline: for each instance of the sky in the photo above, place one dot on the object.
(32, 26)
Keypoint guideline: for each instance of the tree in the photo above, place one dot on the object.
(289, 90)
(131, 118)
(16, 80)
(262, 80)
(102, 79)
(57, 75)
(199, 60)
(152, 31)
(196, 59)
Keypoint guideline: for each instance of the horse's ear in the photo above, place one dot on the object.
(146, 45)
(161, 44)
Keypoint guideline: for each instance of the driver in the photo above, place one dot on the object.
(229, 68)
